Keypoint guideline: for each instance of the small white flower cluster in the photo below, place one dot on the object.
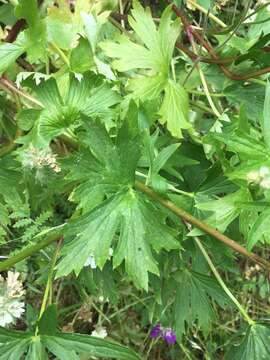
(11, 293)
(260, 177)
(38, 158)
(100, 332)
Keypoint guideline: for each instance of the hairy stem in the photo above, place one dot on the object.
(30, 250)
(8, 85)
(184, 215)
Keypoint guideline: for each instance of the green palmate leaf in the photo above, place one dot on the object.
(94, 233)
(81, 58)
(251, 97)
(10, 52)
(246, 146)
(89, 96)
(260, 231)
(254, 346)
(193, 300)
(147, 87)
(266, 116)
(36, 32)
(91, 29)
(14, 344)
(174, 109)
(64, 344)
(140, 229)
(113, 174)
(109, 166)
(14, 350)
(36, 350)
(7, 14)
(252, 153)
(155, 54)
(225, 209)
(47, 325)
(60, 26)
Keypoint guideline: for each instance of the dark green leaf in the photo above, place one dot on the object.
(254, 346)
(193, 300)
(47, 325)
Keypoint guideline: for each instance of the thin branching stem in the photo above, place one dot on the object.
(222, 283)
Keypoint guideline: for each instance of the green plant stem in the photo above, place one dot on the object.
(49, 281)
(202, 107)
(28, 251)
(61, 54)
(203, 80)
(170, 187)
(222, 283)
(121, 9)
(201, 225)
(200, 93)
(204, 11)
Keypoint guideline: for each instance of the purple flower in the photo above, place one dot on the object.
(166, 334)
(169, 336)
(156, 331)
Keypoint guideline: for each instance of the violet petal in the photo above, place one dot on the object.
(169, 336)
(156, 331)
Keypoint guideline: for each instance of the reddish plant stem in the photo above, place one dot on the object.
(181, 14)
(14, 31)
(195, 57)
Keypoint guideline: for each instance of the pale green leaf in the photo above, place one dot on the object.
(158, 43)
(36, 32)
(60, 27)
(81, 57)
(36, 350)
(225, 209)
(89, 96)
(246, 146)
(9, 52)
(174, 108)
(91, 29)
(266, 116)
(147, 87)
(260, 231)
